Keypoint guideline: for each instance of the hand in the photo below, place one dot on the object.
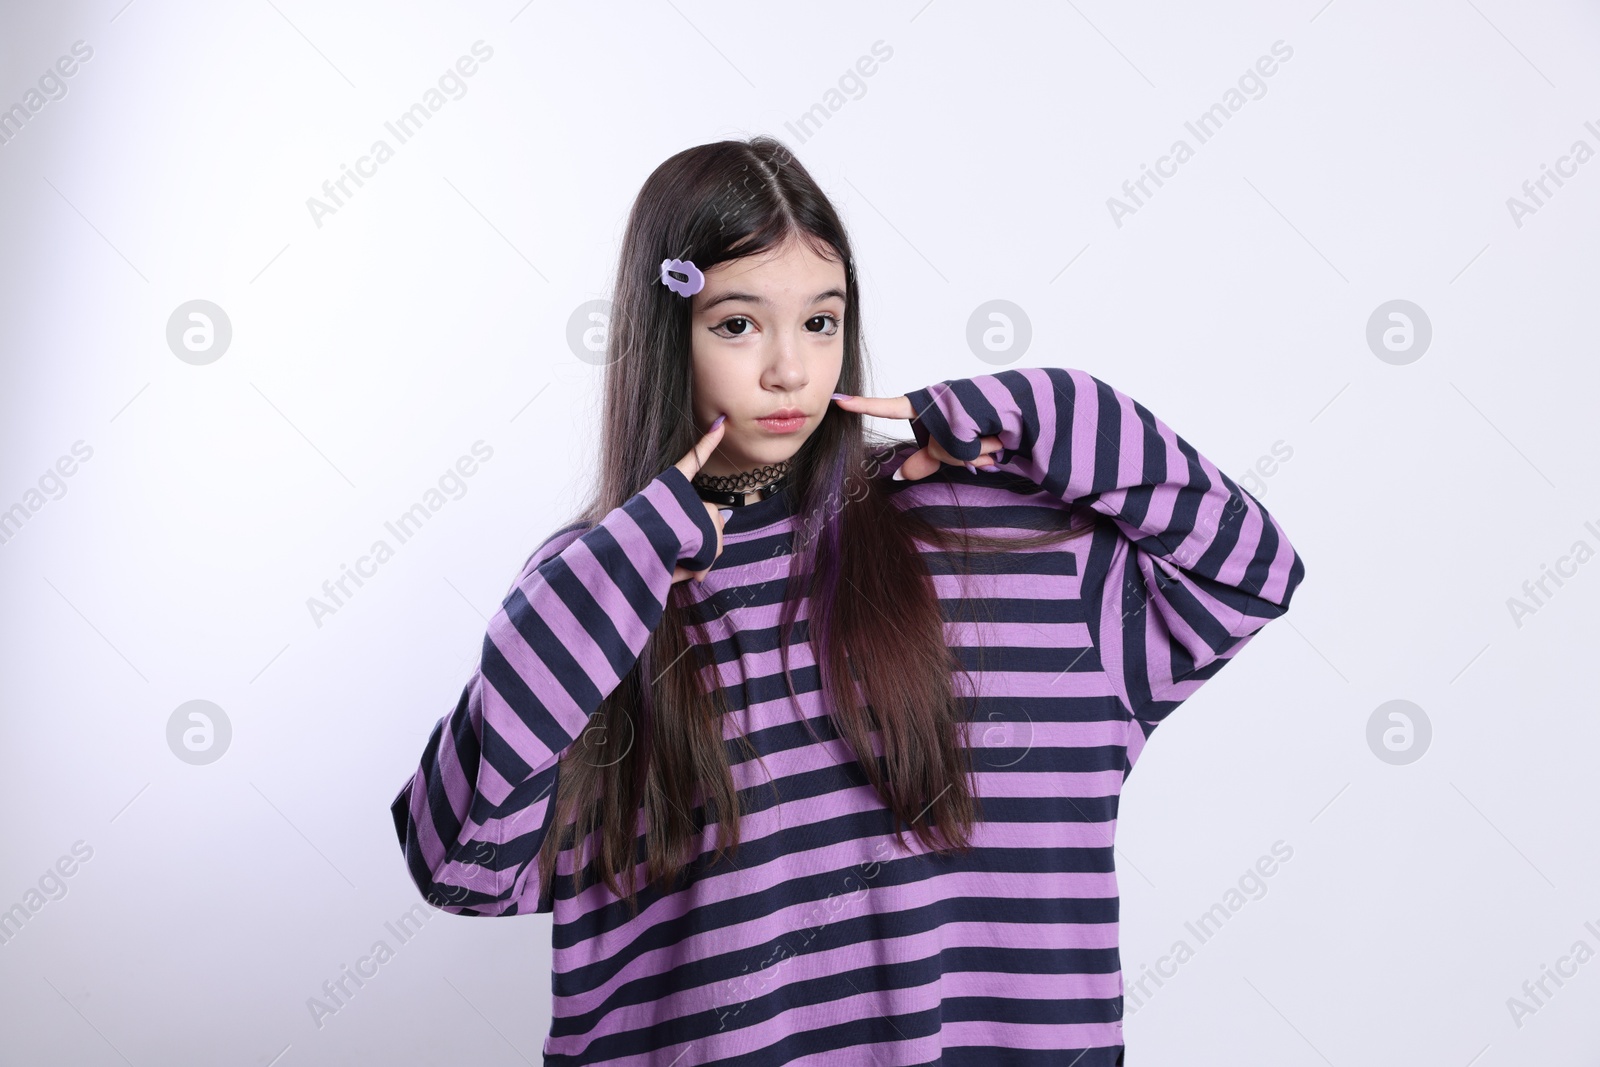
(925, 461)
(690, 465)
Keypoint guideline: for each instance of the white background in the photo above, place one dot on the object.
(431, 311)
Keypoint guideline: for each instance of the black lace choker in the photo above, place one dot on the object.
(729, 489)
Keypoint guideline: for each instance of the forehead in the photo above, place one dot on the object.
(789, 273)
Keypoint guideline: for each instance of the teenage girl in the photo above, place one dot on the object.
(812, 744)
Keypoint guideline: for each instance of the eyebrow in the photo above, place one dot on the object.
(761, 302)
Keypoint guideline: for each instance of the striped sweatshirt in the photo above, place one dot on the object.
(825, 941)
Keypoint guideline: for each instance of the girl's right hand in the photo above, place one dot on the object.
(690, 465)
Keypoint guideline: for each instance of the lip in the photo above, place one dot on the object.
(784, 420)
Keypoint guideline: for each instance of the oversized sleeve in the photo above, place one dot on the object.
(474, 814)
(1199, 566)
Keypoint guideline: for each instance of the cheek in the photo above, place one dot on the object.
(832, 367)
(716, 386)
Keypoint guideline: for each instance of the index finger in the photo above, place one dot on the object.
(887, 407)
(692, 460)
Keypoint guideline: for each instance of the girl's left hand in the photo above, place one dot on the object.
(924, 461)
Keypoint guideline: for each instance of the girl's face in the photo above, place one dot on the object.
(767, 339)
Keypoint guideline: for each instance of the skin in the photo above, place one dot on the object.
(767, 333)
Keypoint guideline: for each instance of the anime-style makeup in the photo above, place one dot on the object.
(767, 346)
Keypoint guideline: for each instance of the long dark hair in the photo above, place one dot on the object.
(656, 742)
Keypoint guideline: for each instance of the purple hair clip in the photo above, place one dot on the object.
(695, 281)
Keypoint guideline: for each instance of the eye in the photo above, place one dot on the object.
(732, 333)
(828, 317)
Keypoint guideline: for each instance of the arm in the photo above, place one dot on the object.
(473, 816)
(1200, 565)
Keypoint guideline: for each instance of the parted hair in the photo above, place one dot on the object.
(656, 746)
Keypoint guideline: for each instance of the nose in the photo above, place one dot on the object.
(786, 370)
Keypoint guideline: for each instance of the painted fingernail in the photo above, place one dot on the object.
(842, 396)
(726, 513)
(971, 469)
(897, 476)
(714, 425)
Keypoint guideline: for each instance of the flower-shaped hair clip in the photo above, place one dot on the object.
(693, 281)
